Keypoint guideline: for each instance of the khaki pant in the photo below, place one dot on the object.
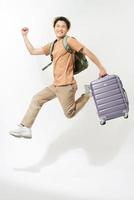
(66, 96)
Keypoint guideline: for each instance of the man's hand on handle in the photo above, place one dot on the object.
(102, 73)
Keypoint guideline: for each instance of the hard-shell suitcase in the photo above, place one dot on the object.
(110, 98)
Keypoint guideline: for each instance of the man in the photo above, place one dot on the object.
(64, 86)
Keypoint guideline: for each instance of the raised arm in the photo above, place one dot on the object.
(31, 49)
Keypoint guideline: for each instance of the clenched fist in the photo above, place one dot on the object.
(24, 31)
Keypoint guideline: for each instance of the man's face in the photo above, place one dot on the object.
(60, 29)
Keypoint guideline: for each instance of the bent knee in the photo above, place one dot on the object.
(36, 99)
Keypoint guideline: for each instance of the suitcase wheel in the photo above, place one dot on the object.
(126, 115)
(102, 122)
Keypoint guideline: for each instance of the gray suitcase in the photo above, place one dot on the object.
(110, 98)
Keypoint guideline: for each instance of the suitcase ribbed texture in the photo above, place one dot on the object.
(110, 97)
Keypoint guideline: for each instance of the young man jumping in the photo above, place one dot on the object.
(64, 86)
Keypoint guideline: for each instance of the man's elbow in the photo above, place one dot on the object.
(84, 51)
(32, 51)
(38, 51)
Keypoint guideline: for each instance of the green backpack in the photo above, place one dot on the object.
(80, 61)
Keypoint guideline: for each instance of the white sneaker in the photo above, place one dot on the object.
(87, 90)
(21, 131)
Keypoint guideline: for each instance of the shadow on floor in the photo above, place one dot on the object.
(101, 143)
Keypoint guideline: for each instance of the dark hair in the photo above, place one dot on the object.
(61, 18)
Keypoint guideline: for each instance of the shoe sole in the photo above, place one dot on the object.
(19, 136)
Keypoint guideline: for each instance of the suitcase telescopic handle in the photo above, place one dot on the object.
(103, 76)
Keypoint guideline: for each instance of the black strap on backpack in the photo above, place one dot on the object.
(80, 62)
(50, 52)
(66, 46)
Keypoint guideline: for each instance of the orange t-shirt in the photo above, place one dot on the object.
(63, 61)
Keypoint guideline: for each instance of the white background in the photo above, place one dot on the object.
(68, 159)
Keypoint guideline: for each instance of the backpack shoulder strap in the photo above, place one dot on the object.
(66, 46)
(51, 49)
(50, 53)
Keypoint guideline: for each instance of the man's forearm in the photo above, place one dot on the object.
(92, 57)
(28, 44)
(95, 60)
